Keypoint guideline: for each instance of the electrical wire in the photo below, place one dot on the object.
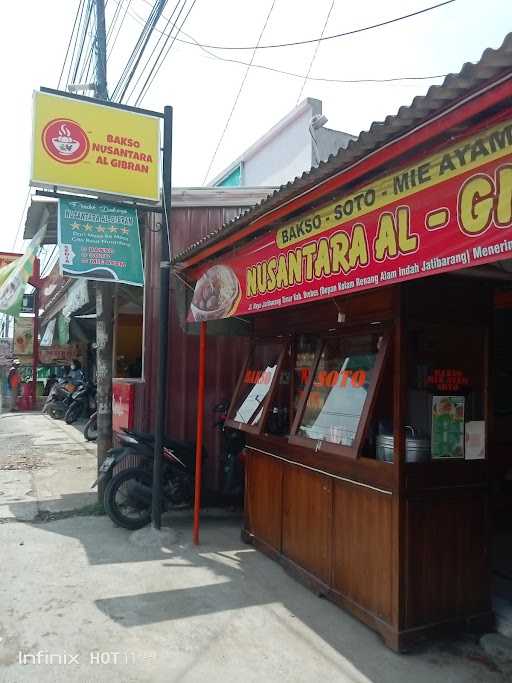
(324, 38)
(153, 74)
(86, 68)
(113, 22)
(136, 53)
(80, 4)
(273, 69)
(155, 47)
(120, 26)
(48, 263)
(230, 116)
(82, 43)
(168, 37)
(20, 224)
(313, 57)
(75, 45)
(195, 43)
(160, 5)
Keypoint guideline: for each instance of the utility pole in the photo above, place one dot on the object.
(104, 290)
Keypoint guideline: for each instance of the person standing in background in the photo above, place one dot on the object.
(14, 381)
(76, 374)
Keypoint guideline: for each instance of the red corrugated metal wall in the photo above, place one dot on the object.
(224, 354)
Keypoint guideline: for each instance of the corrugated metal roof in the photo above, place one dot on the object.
(493, 65)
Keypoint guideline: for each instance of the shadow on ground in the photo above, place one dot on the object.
(224, 576)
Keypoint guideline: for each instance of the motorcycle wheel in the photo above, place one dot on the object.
(73, 413)
(56, 410)
(116, 499)
(91, 428)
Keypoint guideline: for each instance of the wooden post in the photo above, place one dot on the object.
(200, 426)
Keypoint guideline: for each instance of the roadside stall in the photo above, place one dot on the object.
(366, 397)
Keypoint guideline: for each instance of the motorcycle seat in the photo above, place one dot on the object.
(146, 437)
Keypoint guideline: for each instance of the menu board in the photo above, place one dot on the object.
(447, 427)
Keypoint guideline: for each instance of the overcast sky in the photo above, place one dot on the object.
(202, 89)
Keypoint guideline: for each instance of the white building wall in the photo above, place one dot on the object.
(282, 158)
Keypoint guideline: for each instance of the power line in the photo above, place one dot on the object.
(158, 14)
(86, 68)
(80, 4)
(155, 47)
(156, 65)
(113, 22)
(20, 224)
(85, 27)
(48, 263)
(332, 37)
(149, 81)
(313, 57)
(195, 43)
(72, 60)
(228, 121)
(138, 50)
(310, 78)
(114, 41)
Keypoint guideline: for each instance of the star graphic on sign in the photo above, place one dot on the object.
(88, 227)
(125, 231)
(113, 230)
(75, 226)
(100, 228)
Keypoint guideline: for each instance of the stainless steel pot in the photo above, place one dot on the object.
(416, 450)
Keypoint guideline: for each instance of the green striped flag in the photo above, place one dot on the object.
(14, 277)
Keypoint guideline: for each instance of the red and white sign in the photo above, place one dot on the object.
(450, 211)
(7, 257)
(65, 141)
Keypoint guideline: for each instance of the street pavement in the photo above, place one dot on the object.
(82, 600)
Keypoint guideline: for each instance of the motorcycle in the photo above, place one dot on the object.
(233, 444)
(91, 428)
(59, 399)
(82, 400)
(128, 495)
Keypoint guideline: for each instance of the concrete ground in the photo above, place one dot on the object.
(82, 600)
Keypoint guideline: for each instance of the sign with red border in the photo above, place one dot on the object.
(449, 211)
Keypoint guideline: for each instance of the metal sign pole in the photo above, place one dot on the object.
(165, 257)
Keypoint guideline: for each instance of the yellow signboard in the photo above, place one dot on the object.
(90, 147)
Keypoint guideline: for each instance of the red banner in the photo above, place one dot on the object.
(7, 257)
(451, 211)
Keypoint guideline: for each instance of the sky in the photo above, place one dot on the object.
(202, 88)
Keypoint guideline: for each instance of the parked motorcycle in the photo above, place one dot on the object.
(59, 398)
(83, 400)
(233, 443)
(128, 495)
(91, 428)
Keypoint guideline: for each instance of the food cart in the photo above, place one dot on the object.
(366, 395)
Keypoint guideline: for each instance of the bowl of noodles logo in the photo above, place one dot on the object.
(216, 295)
(65, 141)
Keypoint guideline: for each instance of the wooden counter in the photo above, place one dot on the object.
(403, 546)
(404, 565)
